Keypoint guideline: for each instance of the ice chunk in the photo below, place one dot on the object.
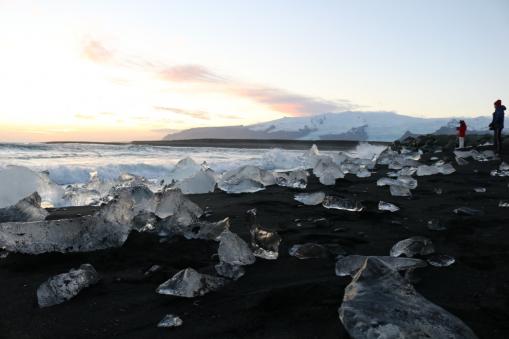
(185, 168)
(75, 195)
(446, 169)
(311, 199)
(480, 190)
(424, 170)
(413, 246)
(202, 229)
(170, 320)
(402, 180)
(246, 179)
(363, 173)
(265, 243)
(65, 286)
(342, 204)
(241, 186)
(504, 166)
(171, 202)
(294, 179)
(230, 271)
(436, 225)
(233, 250)
(109, 227)
(379, 303)
(189, 283)
(349, 265)
(503, 203)
(407, 181)
(27, 209)
(201, 182)
(461, 161)
(387, 206)
(327, 171)
(308, 251)
(468, 211)
(407, 171)
(400, 191)
(18, 182)
(440, 260)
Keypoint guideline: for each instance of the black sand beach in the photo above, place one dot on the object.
(284, 298)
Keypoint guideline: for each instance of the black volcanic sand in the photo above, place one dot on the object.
(285, 298)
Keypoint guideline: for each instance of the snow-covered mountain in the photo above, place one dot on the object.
(373, 126)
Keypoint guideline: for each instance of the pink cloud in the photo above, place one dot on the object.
(189, 73)
(94, 50)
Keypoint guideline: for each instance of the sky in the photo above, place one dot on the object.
(137, 70)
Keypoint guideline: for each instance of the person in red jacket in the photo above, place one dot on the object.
(462, 130)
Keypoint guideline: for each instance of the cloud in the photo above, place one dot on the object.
(194, 114)
(290, 103)
(280, 100)
(84, 116)
(94, 50)
(189, 73)
(165, 130)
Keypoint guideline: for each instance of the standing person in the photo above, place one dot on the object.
(462, 130)
(497, 125)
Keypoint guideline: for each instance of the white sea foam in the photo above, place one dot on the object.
(74, 164)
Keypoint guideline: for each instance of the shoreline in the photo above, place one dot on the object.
(239, 143)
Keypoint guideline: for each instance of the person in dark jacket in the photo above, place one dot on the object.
(497, 125)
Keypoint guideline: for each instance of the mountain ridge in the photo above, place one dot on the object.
(350, 125)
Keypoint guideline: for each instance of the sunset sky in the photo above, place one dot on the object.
(134, 70)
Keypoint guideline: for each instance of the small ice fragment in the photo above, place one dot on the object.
(311, 199)
(152, 270)
(433, 158)
(503, 203)
(246, 179)
(230, 271)
(241, 186)
(407, 181)
(189, 283)
(265, 243)
(4, 254)
(446, 169)
(387, 206)
(308, 251)
(170, 320)
(504, 166)
(400, 191)
(468, 211)
(363, 173)
(342, 204)
(201, 182)
(440, 260)
(65, 286)
(407, 171)
(480, 190)
(349, 265)
(438, 190)
(436, 225)
(293, 179)
(171, 202)
(413, 246)
(233, 250)
(424, 170)
(461, 161)
(202, 230)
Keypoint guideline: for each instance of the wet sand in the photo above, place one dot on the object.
(285, 298)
